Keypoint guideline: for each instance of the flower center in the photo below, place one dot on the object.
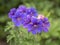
(18, 18)
(35, 25)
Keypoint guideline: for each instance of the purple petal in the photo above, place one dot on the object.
(34, 32)
(32, 11)
(34, 19)
(45, 29)
(39, 30)
(45, 19)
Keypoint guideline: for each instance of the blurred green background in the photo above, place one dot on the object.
(50, 8)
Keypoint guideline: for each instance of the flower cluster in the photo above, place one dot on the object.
(29, 18)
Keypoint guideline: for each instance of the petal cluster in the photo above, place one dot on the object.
(45, 23)
(29, 18)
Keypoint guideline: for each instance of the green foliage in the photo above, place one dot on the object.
(20, 36)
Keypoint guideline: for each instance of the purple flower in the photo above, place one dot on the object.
(34, 26)
(32, 11)
(18, 19)
(12, 12)
(45, 23)
(19, 16)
